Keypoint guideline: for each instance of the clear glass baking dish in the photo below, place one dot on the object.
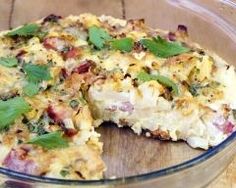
(211, 24)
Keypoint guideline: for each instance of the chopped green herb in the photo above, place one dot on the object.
(74, 104)
(124, 44)
(8, 61)
(50, 141)
(98, 36)
(193, 89)
(25, 31)
(144, 77)
(12, 109)
(37, 73)
(162, 48)
(37, 127)
(19, 141)
(31, 89)
(64, 172)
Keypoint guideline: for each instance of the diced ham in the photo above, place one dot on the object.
(182, 31)
(228, 127)
(126, 107)
(224, 125)
(111, 108)
(182, 28)
(53, 114)
(20, 54)
(71, 53)
(55, 43)
(62, 46)
(59, 113)
(64, 74)
(51, 18)
(138, 47)
(83, 67)
(17, 160)
(171, 36)
(70, 132)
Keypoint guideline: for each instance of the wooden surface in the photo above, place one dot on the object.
(16, 12)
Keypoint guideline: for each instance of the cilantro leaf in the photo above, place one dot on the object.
(124, 44)
(8, 61)
(143, 76)
(50, 140)
(37, 73)
(31, 89)
(162, 48)
(12, 109)
(25, 31)
(98, 36)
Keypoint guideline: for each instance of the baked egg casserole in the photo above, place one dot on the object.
(62, 77)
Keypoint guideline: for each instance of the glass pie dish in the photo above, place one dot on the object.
(134, 161)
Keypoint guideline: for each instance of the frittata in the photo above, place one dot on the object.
(62, 77)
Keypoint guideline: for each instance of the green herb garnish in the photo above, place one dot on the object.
(98, 36)
(12, 109)
(193, 89)
(124, 44)
(25, 31)
(64, 172)
(35, 74)
(31, 89)
(196, 88)
(37, 127)
(50, 141)
(144, 77)
(8, 61)
(162, 48)
(74, 104)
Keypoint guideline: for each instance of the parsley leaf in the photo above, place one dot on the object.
(31, 89)
(25, 31)
(143, 76)
(50, 141)
(124, 44)
(8, 61)
(162, 48)
(37, 73)
(98, 36)
(12, 109)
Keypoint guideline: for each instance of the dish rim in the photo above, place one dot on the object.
(207, 155)
(210, 153)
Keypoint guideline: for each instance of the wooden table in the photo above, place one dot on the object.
(16, 12)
